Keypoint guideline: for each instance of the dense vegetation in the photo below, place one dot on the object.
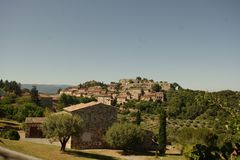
(17, 107)
(193, 117)
(11, 87)
(92, 84)
(67, 100)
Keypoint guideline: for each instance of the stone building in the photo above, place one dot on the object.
(32, 127)
(156, 96)
(105, 99)
(165, 86)
(46, 100)
(98, 117)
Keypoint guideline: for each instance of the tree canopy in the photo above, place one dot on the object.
(62, 126)
(125, 136)
(34, 95)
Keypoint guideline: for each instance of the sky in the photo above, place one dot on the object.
(194, 43)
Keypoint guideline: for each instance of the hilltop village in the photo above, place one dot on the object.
(123, 91)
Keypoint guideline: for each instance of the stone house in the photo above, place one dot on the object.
(69, 91)
(80, 92)
(95, 91)
(165, 86)
(112, 87)
(136, 93)
(153, 96)
(46, 100)
(123, 97)
(98, 117)
(32, 127)
(105, 99)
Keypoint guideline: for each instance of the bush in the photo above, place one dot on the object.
(11, 134)
(20, 112)
(192, 136)
(125, 136)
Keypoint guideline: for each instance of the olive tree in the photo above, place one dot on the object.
(62, 126)
(125, 136)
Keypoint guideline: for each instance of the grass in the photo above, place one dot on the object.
(10, 124)
(50, 152)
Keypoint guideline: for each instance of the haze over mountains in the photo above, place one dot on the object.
(45, 88)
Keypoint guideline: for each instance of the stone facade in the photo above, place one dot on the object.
(98, 117)
(105, 100)
(32, 127)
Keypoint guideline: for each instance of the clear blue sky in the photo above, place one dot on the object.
(194, 43)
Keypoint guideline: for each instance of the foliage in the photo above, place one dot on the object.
(235, 125)
(138, 118)
(148, 106)
(61, 126)
(92, 84)
(202, 152)
(11, 87)
(86, 99)
(189, 104)
(11, 134)
(34, 95)
(188, 135)
(23, 99)
(20, 112)
(125, 136)
(156, 87)
(7, 100)
(162, 135)
(138, 78)
(211, 151)
(67, 100)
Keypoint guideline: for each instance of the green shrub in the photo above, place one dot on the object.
(125, 136)
(12, 134)
(192, 136)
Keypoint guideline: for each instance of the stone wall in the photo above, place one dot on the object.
(97, 120)
(30, 133)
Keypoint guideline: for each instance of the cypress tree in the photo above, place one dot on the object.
(138, 118)
(162, 138)
(34, 95)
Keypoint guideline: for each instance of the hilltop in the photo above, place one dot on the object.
(123, 91)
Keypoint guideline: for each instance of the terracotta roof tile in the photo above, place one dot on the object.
(80, 106)
(34, 119)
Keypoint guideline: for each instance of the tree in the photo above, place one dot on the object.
(138, 78)
(162, 137)
(34, 95)
(125, 136)
(138, 118)
(1, 83)
(61, 126)
(67, 100)
(156, 87)
(59, 90)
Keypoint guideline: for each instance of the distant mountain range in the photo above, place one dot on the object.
(45, 88)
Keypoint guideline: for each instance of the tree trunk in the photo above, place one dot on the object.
(63, 142)
(63, 146)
